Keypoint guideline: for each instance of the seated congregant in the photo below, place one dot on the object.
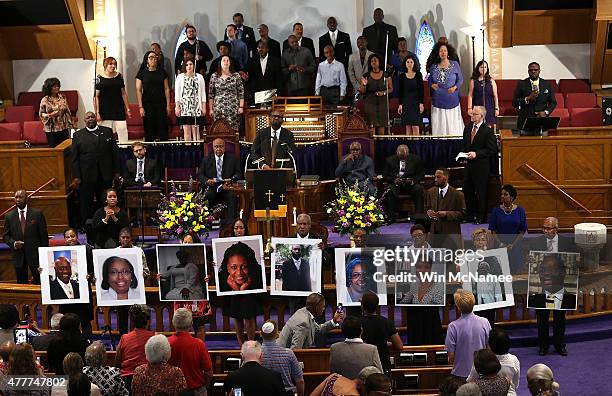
(41, 343)
(217, 171)
(301, 328)
(357, 168)
(141, 170)
(404, 172)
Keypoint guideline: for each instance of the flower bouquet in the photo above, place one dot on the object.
(180, 214)
(353, 209)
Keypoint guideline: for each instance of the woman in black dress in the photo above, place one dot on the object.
(411, 97)
(111, 102)
(108, 221)
(153, 96)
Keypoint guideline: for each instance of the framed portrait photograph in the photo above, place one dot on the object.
(119, 278)
(239, 265)
(295, 267)
(63, 279)
(423, 282)
(356, 274)
(488, 295)
(182, 269)
(553, 280)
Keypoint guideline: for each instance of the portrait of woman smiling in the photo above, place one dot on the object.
(118, 283)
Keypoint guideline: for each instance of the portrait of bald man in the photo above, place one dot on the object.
(63, 287)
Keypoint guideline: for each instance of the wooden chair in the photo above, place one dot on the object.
(222, 129)
(180, 177)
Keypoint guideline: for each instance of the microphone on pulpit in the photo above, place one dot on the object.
(289, 151)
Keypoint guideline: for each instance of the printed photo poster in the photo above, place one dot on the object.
(182, 269)
(296, 267)
(553, 280)
(239, 265)
(489, 295)
(356, 274)
(423, 279)
(63, 279)
(119, 276)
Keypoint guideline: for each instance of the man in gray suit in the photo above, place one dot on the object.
(348, 358)
(300, 330)
(358, 62)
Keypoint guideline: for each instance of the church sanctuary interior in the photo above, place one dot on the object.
(267, 197)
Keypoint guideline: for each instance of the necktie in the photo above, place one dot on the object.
(402, 168)
(550, 245)
(140, 171)
(240, 33)
(274, 146)
(333, 39)
(219, 168)
(440, 198)
(22, 221)
(473, 134)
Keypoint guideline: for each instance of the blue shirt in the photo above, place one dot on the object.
(331, 75)
(239, 51)
(445, 79)
(283, 361)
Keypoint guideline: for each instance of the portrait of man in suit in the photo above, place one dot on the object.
(63, 287)
(296, 271)
(553, 293)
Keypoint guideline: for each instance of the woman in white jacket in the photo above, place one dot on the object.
(190, 98)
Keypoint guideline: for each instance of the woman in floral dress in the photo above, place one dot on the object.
(226, 94)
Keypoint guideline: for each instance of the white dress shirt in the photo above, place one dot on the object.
(297, 263)
(444, 191)
(304, 237)
(67, 287)
(264, 63)
(272, 133)
(557, 297)
(333, 37)
(552, 245)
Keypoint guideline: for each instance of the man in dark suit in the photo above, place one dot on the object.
(252, 377)
(305, 42)
(296, 271)
(273, 46)
(218, 171)
(95, 163)
(198, 48)
(533, 96)
(273, 144)
(264, 71)
(403, 172)
(25, 230)
(341, 42)
(480, 145)
(376, 34)
(141, 171)
(552, 242)
(445, 208)
(244, 33)
(62, 287)
(357, 168)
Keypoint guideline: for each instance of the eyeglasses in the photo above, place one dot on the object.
(123, 273)
(357, 275)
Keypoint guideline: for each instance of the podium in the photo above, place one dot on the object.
(147, 198)
(270, 186)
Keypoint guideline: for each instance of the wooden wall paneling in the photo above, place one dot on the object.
(551, 27)
(604, 10)
(598, 50)
(606, 74)
(6, 73)
(507, 18)
(43, 42)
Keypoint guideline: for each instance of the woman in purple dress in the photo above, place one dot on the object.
(483, 86)
(508, 224)
(445, 79)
